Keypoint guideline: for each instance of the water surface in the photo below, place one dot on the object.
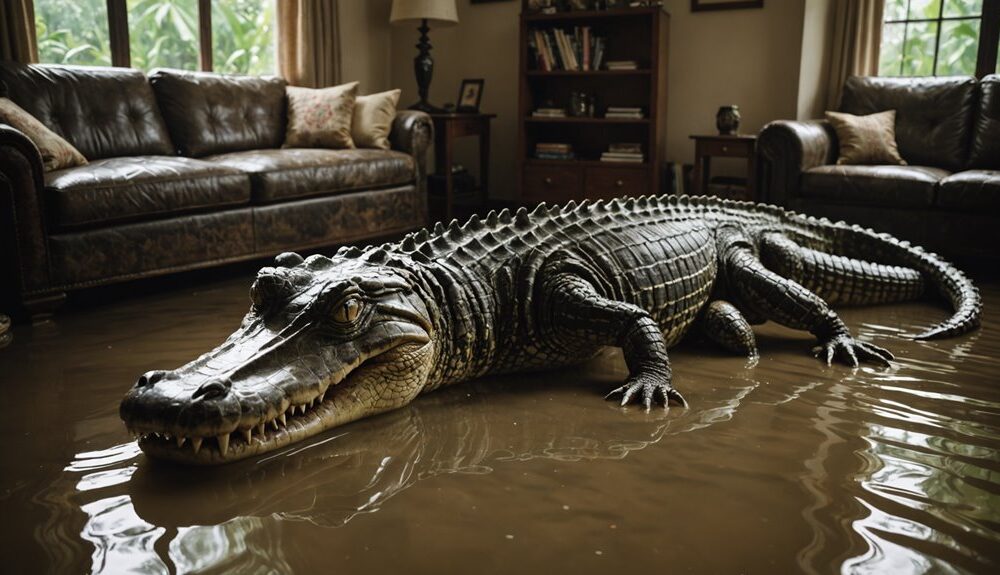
(786, 466)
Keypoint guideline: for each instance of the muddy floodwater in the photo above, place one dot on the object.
(783, 467)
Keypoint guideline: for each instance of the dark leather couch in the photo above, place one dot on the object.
(947, 198)
(186, 171)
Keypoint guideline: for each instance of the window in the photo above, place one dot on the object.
(939, 37)
(73, 32)
(231, 36)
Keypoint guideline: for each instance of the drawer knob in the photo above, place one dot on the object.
(548, 181)
(620, 183)
(725, 148)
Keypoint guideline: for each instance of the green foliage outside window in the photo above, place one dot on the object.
(910, 37)
(73, 32)
(162, 33)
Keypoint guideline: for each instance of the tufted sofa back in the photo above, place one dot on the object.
(216, 113)
(934, 116)
(986, 134)
(104, 112)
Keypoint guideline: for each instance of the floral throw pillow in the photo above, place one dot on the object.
(373, 116)
(320, 118)
(56, 152)
(867, 139)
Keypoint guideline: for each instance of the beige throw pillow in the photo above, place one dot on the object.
(866, 139)
(56, 152)
(320, 118)
(373, 116)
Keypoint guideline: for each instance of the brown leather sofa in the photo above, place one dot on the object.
(186, 171)
(947, 198)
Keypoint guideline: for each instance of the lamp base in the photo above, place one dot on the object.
(427, 107)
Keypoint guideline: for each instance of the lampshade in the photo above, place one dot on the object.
(438, 11)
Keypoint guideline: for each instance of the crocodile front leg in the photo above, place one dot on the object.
(790, 304)
(579, 318)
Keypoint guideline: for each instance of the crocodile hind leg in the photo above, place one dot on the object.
(580, 318)
(789, 303)
(722, 323)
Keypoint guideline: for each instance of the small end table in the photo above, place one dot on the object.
(447, 129)
(732, 146)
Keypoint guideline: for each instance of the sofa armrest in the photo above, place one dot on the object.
(22, 218)
(412, 133)
(786, 149)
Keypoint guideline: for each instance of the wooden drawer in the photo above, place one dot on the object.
(723, 148)
(609, 183)
(552, 184)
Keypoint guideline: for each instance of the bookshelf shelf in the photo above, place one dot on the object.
(573, 120)
(563, 73)
(551, 74)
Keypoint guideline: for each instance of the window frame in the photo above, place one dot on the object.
(989, 35)
(118, 35)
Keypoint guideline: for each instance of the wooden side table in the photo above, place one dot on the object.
(735, 146)
(447, 129)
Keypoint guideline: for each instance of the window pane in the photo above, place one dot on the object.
(918, 54)
(890, 58)
(163, 33)
(963, 8)
(73, 32)
(894, 10)
(923, 9)
(959, 47)
(243, 36)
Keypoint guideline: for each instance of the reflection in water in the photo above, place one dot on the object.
(788, 465)
(229, 516)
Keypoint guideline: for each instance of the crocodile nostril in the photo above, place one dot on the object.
(150, 378)
(212, 389)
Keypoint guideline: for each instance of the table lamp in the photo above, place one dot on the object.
(439, 12)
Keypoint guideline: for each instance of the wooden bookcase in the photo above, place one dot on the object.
(639, 34)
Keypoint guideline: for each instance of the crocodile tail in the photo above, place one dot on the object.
(940, 276)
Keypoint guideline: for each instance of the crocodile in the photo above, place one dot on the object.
(329, 340)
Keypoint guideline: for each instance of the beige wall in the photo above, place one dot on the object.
(817, 35)
(752, 58)
(365, 41)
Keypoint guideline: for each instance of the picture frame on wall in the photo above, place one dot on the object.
(470, 95)
(709, 5)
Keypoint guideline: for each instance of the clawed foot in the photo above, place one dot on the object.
(849, 350)
(649, 386)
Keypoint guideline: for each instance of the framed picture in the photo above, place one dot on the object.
(706, 5)
(470, 95)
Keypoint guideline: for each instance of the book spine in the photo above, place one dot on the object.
(586, 47)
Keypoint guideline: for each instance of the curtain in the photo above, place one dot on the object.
(857, 32)
(17, 31)
(308, 42)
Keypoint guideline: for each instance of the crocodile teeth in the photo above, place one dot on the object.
(282, 419)
(274, 422)
(180, 441)
(223, 443)
(196, 444)
(260, 429)
(248, 434)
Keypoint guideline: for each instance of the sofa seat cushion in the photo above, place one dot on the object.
(115, 190)
(973, 190)
(279, 175)
(892, 186)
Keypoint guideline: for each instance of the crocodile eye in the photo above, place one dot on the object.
(348, 310)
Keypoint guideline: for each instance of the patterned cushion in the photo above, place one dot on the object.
(866, 139)
(373, 115)
(56, 152)
(320, 118)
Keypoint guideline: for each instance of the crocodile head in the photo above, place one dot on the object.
(326, 341)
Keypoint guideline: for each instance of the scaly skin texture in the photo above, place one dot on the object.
(332, 340)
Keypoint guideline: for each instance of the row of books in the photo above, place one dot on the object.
(622, 65)
(628, 112)
(549, 113)
(557, 49)
(554, 151)
(623, 152)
